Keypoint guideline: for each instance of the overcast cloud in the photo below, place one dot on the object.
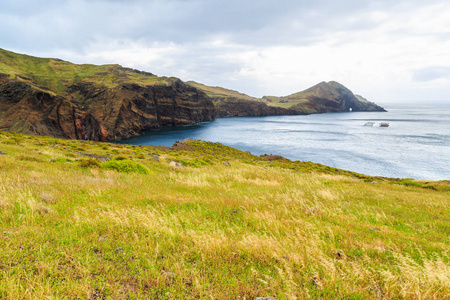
(385, 50)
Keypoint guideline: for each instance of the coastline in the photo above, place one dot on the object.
(328, 139)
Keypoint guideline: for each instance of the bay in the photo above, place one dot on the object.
(415, 145)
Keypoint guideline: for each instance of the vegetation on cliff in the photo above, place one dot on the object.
(57, 98)
(88, 220)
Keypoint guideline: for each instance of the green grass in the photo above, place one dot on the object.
(219, 93)
(55, 75)
(298, 104)
(125, 166)
(259, 227)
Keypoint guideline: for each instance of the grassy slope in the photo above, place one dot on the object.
(55, 75)
(291, 100)
(319, 90)
(290, 103)
(77, 229)
(216, 92)
(302, 100)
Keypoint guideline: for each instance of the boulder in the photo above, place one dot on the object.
(175, 165)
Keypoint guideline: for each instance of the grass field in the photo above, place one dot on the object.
(85, 220)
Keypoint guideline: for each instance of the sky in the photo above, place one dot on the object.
(387, 51)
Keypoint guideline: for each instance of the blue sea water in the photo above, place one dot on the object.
(415, 145)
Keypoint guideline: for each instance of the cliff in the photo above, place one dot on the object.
(47, 96)
(241, 108)
(324, 97)
(52, 97)
(231, 103)
(321, 98)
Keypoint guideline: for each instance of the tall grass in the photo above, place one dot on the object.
(211, 231)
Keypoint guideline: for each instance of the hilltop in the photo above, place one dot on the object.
(324, 97)
(199, 220)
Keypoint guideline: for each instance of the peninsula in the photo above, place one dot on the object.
(52, 97)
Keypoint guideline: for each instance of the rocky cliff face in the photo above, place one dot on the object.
(92, 111)
(245, 108)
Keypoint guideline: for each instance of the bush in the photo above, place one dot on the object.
(89, 163)
(62, 160)
(125, 166)
(196, 162)
(28, 158)
(121, 157)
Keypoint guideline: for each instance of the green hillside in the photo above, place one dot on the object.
(87, 220)
(219, 93)
(56, 75)
(323, 97)
(51, 97)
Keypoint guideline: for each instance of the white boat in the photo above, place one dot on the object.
(369, 123)
(384, 124)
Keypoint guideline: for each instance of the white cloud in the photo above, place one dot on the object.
(380, 49)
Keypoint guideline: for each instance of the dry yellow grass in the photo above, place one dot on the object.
(211, 232)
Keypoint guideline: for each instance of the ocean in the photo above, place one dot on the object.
(415, 145)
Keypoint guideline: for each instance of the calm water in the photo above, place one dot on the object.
(416, 145)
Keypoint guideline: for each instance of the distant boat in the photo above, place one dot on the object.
(384, 124)
(369, 123)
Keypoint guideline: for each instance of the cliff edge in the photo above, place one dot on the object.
(52, 97)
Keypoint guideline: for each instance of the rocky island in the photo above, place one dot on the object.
(47, 96)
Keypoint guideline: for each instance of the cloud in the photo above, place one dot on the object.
(257, 47)
(73, 23)
(432, 73)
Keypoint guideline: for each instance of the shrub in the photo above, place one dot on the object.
(125, 166)
(89, 163)
(196, 162)
(121, 157)
(62, 160)
(28, 158)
